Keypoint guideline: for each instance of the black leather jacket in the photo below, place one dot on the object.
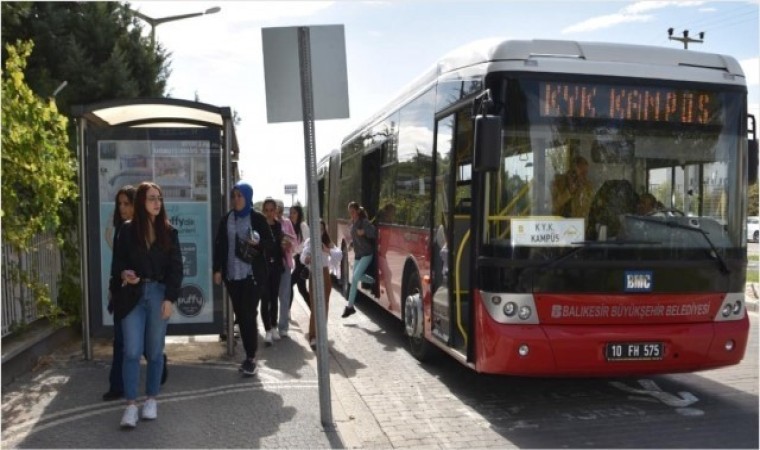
(164, 266)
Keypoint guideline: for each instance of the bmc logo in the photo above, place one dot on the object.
(638, 281)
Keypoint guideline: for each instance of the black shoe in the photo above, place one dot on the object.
(249, 368)
(165, 373)
(112, 395)
(348, 311)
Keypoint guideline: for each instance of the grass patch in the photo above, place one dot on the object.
(753, 276)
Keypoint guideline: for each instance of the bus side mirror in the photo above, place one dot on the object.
(487, 143)
(752, 160)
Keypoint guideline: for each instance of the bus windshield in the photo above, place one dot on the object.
(613, 162)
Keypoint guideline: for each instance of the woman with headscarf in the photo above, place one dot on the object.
(245, 281)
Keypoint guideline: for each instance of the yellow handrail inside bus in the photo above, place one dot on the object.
(459, 285)
(503, 213)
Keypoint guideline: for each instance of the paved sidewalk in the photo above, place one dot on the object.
(205, 403)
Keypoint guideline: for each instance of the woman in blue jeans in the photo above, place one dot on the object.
(123, 211)
(363, 235)
(146, 256)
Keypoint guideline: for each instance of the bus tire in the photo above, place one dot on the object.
(414, 317)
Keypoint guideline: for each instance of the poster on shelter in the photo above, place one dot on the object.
(181, 168)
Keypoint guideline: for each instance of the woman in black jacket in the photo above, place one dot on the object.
(147, 262)
(246, 282)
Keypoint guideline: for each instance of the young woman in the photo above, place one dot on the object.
(123, 211)
(301, 229)
(244, 280)
(285, 289)
(275, 267)
(330, 252)
(363, 234)
(147, 256)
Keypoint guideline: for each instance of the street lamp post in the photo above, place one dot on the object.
(154, 22)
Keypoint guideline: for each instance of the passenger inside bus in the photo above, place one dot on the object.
(614, 199)
(572, 191)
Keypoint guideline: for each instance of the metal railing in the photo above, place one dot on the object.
(43, 261)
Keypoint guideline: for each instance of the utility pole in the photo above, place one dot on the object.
(686, 39)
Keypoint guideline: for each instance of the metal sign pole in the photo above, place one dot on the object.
(83, 246)
(318, 291)
(227, 186)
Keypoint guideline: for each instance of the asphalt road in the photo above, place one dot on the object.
(443, 404)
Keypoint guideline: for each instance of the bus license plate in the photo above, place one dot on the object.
(634, 351)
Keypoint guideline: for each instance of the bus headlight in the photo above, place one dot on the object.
(733, 308)
(514, 308)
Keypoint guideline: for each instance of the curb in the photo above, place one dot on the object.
(23, 353)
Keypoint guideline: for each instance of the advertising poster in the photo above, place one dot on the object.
(182, 168)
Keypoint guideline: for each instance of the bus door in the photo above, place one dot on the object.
(451, 239)
(370, 200)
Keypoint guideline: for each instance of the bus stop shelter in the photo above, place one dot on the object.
(190, 150)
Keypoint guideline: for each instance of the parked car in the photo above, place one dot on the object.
(753, 228)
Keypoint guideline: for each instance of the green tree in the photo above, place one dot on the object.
(753, 200)
(37, 172)
(99, 49)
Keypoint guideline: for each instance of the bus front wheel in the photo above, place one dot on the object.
(414, 318)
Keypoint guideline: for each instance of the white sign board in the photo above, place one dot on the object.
(548, 232)
(282, 76)
(291, 189)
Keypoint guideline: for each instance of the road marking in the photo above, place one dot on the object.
(680, 402)
(12, 434)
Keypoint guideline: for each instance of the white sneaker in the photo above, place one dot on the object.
(268, 338)
(275, 334)
(129, 419)
(150, 409)
(284, 333)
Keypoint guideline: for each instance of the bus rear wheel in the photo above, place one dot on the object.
(414, 318)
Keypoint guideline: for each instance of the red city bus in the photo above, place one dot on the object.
(464, 174)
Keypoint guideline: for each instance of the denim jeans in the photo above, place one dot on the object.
(286, 289)
(360, 266)
(144, 332)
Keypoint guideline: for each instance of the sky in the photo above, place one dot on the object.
(218, 58)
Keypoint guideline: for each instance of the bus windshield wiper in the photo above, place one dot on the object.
(588, 244)
(667, 223)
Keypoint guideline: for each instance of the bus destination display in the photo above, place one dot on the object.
(638, 103)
